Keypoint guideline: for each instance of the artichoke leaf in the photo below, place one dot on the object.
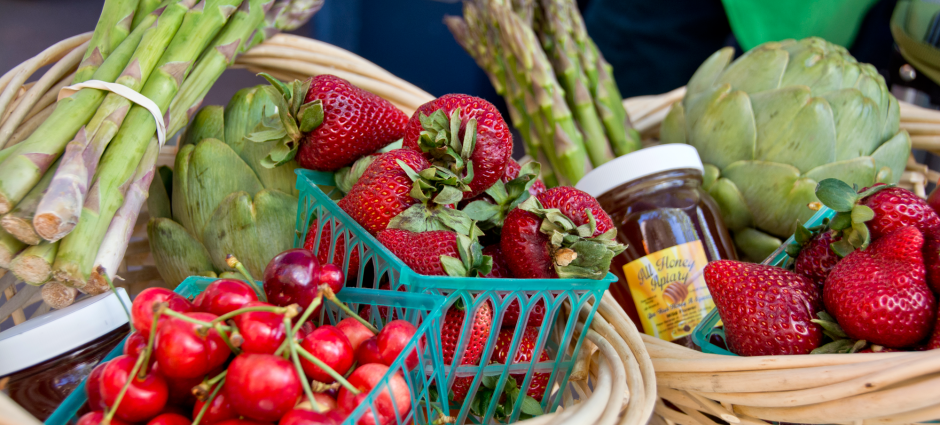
(254, 231)
(870, 88)
(214, 172)
(708, 72)
(754, 245)
(734, 210)
(178, 196)
(858, 171)
(208, 123)
(158, 200)
(858, 123)
(811, 67)
(775, 193)
(892, 121)
(176, 253)
(891, 158)
(850, 74)
(758, 70)
(710, 174)
(794, 128)
(721, 126)
(673, 127)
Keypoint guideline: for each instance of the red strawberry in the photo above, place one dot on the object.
(527, 247)
(816, 259)
(934, 342)
(512, 171)
(931, 253)
(489, 209)
(332, 126)
(895, 208)
(492, 147)
(424, 252)
(500, 269)
(475, 342)
(339, 252)
(383, 190)
(524, 354)
(511, 315)
(765, 310)
(879, 294)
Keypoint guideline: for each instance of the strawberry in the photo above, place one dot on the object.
(934, 342)
(561, 232)
(339, 252)
(491, 207)
(765, 310)
(437, 253)
(897, 207)
(880, 295)
(511, 315)
(478, 151)
(326, 123)
(512, 171)
(383, 190)
(475, 342)
(524, 354)
(814, 255)
(500, 269)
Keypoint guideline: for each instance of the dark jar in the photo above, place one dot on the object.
(46, 358)
(672, 229)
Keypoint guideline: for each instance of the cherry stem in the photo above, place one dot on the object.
(266, 308)
(303, 319)
(218, 328)
(300, 370)
(158, 311)
(328, 293)
(237, 265)
(217, 378)
(185, 318)
(205, 407)
(130, 377)
(104, 273)
(319, 363)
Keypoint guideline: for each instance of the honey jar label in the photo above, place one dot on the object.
(669, 290)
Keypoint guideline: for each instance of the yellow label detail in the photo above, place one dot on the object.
(669, 290)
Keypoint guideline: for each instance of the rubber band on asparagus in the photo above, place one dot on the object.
(237, 265)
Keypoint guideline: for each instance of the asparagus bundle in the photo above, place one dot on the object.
(71, 191)
(559, 90)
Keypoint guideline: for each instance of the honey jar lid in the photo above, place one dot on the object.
(61, 331)
(642, 163)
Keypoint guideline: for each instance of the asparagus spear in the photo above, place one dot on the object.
(30, 159)
(181, 33)
(113, 27)
(74, 261)
(143, 8)
(34, 264)
(112, 248)
(19, 221)
(9, 247)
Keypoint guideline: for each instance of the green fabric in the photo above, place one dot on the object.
(908, 25)
(757, 21)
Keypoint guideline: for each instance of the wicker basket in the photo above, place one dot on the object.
(613, 380)
(882, 388)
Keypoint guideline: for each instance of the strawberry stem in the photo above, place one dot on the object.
(237, 265)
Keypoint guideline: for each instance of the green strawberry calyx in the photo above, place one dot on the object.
(290, 120)
(851, 215)
(841, 343)
(440, 137)
(529, 406)
(347, 177)
(804, 235)
(505, 196)
(576, 254)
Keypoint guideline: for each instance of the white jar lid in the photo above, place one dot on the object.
(61, 331)
(642, 163)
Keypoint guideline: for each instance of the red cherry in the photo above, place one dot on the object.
(172, 408)
(306, 417)
(135, 344)
(240, 422)
(219, 410)
(262, 331)
(365, 378)
(355, 331)
(96, 418)
(330, 346)
(170, 419)
(393, 338)
(325, 401)
(293, 276)
(142, 308)
(92, 387)
(182, 353)
(144, 397)
(368, 352)
(224, 296)
(332, 276)
(262, 386)
(181, 389)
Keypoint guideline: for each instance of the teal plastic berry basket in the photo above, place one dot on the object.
(709, 328)
(565, 302)
(425, 380)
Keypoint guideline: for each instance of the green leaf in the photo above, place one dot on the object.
(859, 345)
(841, 221)
(282, 89)
(498, 192)
(862, 213)
(842, 247)
(802, 235)
(836, 195)
(831, 327)
(834, 347)
(481, 210)
(453, 266)
(490, 381)
(311, 116)
(469, 139)
(448, 195)
(793, 249)
(530, 406)
(862, 235)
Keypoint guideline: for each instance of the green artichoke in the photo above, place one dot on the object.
(776, 121)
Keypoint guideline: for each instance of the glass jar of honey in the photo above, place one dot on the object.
(672, 229)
